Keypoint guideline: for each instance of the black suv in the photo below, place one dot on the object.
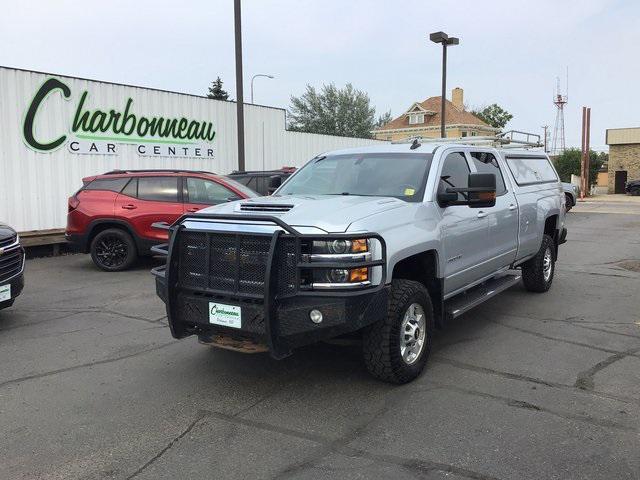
(11, 266)
(265, 182)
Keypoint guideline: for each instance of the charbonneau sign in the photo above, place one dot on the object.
(95, 131)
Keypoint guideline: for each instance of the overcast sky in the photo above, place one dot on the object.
(510, 51)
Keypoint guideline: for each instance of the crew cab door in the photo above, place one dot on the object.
(503, 216)
(200, 193)
(465, 230)
(146, 200)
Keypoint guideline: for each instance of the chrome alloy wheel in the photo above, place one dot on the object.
(547, 264)
(413, 333)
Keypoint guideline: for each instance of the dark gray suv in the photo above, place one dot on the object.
(11, 266)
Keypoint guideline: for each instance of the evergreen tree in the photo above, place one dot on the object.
(216, 92)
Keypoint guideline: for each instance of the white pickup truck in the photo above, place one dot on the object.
(390, 241)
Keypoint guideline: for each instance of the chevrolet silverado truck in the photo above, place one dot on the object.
(387, 241)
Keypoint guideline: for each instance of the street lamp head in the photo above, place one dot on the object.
(438, 37)
(441, 37)
(270, 76)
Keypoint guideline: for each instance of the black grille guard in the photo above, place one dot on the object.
(168, 272)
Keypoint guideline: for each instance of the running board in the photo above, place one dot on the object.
(473, 297)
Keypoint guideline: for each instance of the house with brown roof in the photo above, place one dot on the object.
(422, 119)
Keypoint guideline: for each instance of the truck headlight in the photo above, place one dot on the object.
(343, 276)
(340, 246)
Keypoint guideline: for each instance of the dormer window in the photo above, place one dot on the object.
(416, 118)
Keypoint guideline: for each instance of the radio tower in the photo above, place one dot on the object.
(559, 100)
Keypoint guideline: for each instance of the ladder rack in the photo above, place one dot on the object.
(510, 139)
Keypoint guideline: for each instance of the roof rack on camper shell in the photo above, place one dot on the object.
(510, 139)
(156, 170)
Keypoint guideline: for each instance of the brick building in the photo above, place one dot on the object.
(422, 119)
(624, 157)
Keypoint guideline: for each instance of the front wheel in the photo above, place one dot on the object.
(396, 348)
(113, 250)
(635, 192)
(537, 273)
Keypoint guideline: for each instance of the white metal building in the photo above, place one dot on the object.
(55, 130)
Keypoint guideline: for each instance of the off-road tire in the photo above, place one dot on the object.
(131, 252)
(381, 341)
(533, 271)
(7, 303)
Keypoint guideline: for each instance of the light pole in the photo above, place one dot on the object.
(237, 16)
(255, 76)
(445, 40)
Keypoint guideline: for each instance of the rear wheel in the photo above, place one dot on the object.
(113, 250)
(537, 273)
(396, 348)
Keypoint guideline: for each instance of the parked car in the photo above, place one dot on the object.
(111, 215)
(11, 266)
(633, 187)
(571, 195)
(389, 240)
(264, 182)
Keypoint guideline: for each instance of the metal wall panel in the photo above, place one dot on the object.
(34, 186)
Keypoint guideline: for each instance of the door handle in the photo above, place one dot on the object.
(512, 207)
(482, 214)
(129, 207)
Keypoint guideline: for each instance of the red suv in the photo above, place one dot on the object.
(111, 215)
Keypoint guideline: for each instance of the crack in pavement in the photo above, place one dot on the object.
(524, 378)
(340, 446)
(556, 339)
(585, 381)
(83, 365)
(201, 415)
(512, 402)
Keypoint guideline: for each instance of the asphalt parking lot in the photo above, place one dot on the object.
(527, 386)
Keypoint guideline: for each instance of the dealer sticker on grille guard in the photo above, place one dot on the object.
(5, 293)
(225, 315)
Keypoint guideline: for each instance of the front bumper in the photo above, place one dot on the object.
(291, 326)
(278, 320)
(17, 285)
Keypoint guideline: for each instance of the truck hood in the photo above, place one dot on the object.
(6, 231)
(331, 213)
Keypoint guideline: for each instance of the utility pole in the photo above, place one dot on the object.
(239, 90)
(545, 128)
(585, 160)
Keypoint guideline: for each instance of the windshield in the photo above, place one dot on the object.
(400, 175)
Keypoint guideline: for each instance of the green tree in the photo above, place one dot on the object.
(216, 92)
(493, 115)
(568, 163)
(345, 112)
(384, 119)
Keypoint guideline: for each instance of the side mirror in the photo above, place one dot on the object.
(233, 198)
(480, 193)
(274, 183)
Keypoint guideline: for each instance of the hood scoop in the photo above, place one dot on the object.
(265, 207)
